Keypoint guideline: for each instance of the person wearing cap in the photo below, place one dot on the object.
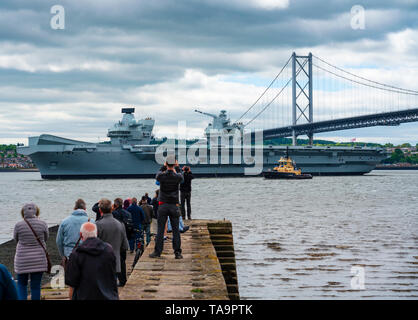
(168, 199)
(30, 260)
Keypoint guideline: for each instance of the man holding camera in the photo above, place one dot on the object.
(168, 200)
(186, 193)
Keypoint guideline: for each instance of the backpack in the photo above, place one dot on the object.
(126, 218)
(129, 226)
(148, 210)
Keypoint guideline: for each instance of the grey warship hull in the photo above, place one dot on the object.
(60, 158)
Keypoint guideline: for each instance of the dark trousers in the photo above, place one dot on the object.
(168, 210)
(35, 285)
(147, 232)
(122, 273)
(185, 197)
(138, 237)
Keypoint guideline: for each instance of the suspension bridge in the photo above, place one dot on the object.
(310, 95)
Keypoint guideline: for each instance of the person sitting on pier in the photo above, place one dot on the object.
(182, 227)
(168, 200)
(91, 269)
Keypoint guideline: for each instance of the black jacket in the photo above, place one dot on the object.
(96, 209)
(125, 217)
(186, 186)
(91, 271)
(137, 214)
(169, 186)
(7, 285)
(154, 203)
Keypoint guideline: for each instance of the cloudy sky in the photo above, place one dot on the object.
(167, 58)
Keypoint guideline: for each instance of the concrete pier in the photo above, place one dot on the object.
(223, 242)
(206, 272)
(200, 275)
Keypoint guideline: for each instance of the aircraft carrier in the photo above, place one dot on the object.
(131, 153)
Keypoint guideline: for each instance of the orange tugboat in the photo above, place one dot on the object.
(286, 170)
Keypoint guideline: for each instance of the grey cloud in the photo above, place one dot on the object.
(201, 24)
(149, 42)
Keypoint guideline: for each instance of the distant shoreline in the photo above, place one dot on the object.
(396, 168)
(18, 170)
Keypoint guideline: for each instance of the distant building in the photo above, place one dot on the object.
(19, 162)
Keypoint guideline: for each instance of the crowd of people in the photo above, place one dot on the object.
(94, 253)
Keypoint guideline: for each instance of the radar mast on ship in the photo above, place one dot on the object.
(130, 131)
(221, 124)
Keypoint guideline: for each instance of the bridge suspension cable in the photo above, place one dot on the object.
(267, 105)
(277, 95)
(396, 89)
(338, 94)
(414, 93)
(272, 82)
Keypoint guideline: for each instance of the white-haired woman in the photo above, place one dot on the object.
(30, 260)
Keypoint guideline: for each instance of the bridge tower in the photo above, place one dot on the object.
(302, 102)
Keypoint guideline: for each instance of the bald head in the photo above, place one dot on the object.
(88, 230)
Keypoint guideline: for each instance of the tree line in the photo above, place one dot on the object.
(398, 156)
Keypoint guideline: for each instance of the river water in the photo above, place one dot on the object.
(330, 237)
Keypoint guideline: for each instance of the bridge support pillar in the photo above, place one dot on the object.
(294, 138)
(310, 136)
(302, 92)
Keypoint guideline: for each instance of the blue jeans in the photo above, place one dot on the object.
(181, 224)
(35, 285)
(147, 231)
